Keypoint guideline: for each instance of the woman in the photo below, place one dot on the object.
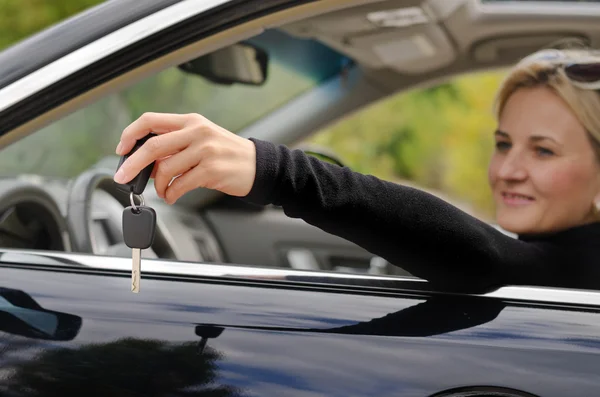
(544, 174)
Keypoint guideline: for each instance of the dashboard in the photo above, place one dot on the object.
(183, 234)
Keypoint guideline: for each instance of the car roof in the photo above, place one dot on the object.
(63, 38)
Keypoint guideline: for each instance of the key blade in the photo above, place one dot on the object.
(136, 268)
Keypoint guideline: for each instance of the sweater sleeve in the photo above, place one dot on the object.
(410, 228)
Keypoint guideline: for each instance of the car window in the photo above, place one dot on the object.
(75, 143)
(437, 138)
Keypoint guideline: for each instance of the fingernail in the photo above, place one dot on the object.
(119, 147)
(120, 176)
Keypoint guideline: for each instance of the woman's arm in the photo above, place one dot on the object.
(410, 228)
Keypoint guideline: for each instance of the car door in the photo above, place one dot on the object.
(68, 326)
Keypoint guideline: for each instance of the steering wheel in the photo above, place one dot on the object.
(79, 217)
(30, 218)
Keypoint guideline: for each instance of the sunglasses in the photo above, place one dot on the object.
(583, 74)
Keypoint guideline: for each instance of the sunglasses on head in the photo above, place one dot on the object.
(583, 74)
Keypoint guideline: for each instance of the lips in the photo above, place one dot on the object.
(513, 198)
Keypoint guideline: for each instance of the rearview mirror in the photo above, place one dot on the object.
(21, 315)
(240, 63)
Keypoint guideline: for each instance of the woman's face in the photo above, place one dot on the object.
(544, 173)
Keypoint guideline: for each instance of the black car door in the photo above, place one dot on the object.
(69, 329)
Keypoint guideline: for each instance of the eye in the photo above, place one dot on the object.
(502, 146)
(542, 151)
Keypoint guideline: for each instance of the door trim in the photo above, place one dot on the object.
(384, 284)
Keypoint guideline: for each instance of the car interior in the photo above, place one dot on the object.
(309, 68)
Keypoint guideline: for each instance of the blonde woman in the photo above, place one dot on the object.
(544, 174)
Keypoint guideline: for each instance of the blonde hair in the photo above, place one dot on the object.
(537, 70)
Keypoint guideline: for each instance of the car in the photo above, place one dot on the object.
(235, 299)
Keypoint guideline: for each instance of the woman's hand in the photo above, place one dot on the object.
(191, 148)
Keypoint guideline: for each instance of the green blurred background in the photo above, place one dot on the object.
(438, 138)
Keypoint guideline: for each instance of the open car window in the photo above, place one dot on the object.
(392, 139)
(438, 139)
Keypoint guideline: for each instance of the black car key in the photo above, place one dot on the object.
(139, 228)
(138, 184)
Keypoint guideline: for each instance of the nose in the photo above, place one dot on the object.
(513, 167)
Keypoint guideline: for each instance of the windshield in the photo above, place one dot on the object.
(77, 142)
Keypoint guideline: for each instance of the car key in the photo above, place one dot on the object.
(139, 228)
(138, 184)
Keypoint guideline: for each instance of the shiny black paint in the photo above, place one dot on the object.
(290, 341)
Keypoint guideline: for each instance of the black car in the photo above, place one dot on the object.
(238, 300)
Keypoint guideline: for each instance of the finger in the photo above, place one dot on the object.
(172, 167)
(158, 123)
(154, 169)
(153, 149)
(184, 183)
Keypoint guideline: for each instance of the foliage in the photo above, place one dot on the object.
(439, 138)
(22, 18)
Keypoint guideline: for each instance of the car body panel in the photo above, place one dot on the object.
(279, 341)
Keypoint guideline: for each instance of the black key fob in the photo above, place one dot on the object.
(138, 184)
(139, 227)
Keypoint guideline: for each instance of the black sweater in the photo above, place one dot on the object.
(419, 232)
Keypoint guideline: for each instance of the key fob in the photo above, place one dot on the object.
(138, 184)
(139, 227)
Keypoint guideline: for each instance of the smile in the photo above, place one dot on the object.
(516, 199)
